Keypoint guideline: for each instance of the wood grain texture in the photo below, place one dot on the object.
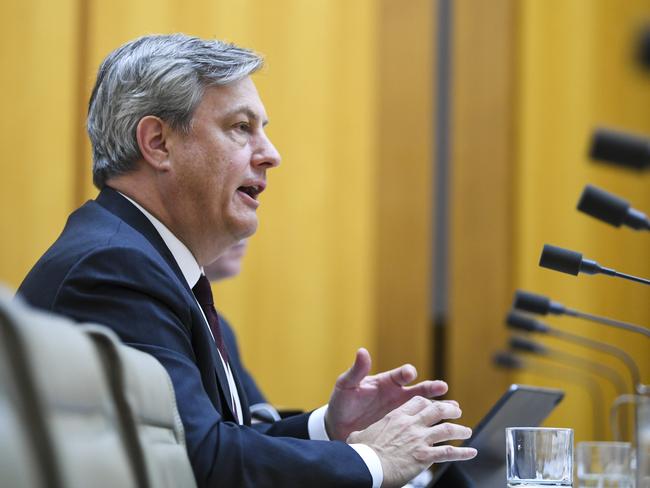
(482, 161)
(404, 178)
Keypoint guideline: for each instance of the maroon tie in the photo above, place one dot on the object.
(203, 294)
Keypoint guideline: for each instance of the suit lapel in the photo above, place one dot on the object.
(123, 209)
(223, 383)
(243, 399)
(126, 211)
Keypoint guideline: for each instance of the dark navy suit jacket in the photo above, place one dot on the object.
(110, 266)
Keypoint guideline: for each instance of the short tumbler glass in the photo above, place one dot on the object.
(605, 464)
(538, 456)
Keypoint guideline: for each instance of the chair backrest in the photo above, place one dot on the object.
(19, 453)
(146, 404)
(78, 408)
(75, 429)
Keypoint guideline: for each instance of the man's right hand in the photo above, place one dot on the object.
(404, 439)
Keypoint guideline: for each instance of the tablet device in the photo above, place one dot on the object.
(520, 406)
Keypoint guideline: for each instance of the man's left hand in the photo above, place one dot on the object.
(359, 400)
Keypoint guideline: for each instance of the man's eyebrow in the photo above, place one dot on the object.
(249, 112)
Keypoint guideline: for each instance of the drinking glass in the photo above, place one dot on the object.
(539, 457)
(604, 464)
(643, 441)
(642, 405)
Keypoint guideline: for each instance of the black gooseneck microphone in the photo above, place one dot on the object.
(524, 323)
(518, 343)
(572, 262)
(541, 305)
(611, 209)
(620, 148)
(507, 360)
(643, 49)
(522, 344)
(510, 361)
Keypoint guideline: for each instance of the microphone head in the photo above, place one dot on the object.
(560, 259)
(531, 302)
(520, 321)
(519, 343)
(620, 148)
(507, 360)
(643, 53)
(603, 205)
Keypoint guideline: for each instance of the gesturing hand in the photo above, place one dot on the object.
(407, 440)
(359, 400)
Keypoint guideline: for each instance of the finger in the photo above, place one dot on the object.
(451, 402)
(403, 375)
(441, 454)
(448, 432)
(438, 411)
(358, 371)
(414, 406)
(428, 388)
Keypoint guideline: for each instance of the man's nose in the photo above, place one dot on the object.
(267, 155)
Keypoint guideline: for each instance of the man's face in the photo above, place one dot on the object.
(219, 169)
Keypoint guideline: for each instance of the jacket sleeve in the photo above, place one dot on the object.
(139, 297)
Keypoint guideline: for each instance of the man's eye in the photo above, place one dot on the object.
(243, 126)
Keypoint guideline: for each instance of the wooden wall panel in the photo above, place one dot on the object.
(403, 179)
(482, 159)
(38, 131)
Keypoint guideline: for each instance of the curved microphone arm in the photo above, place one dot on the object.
(631, 365)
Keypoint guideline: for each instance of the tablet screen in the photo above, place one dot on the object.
(520, 406)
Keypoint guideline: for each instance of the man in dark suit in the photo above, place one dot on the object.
(180, 156)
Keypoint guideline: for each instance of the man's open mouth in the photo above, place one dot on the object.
(251, 191)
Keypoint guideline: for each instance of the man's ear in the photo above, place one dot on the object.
(151, 134)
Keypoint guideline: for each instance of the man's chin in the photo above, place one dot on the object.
(245, 229)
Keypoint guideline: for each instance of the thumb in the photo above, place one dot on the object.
(357, 372)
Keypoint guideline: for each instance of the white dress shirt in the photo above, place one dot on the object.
(192, 272)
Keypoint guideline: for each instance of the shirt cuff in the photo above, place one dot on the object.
(316, 425)
(317, 432)
(372, 462)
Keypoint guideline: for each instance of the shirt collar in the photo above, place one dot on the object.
(184, 258)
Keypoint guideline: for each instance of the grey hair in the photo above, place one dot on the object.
(160, 75)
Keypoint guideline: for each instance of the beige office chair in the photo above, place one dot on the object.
(78, 408)
(145, 400)
(20, 459)
(76, 439)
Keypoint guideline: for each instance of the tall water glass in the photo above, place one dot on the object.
(643, 441)
(539, 457)
(605, 464)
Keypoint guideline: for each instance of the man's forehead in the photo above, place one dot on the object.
(238, 99)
